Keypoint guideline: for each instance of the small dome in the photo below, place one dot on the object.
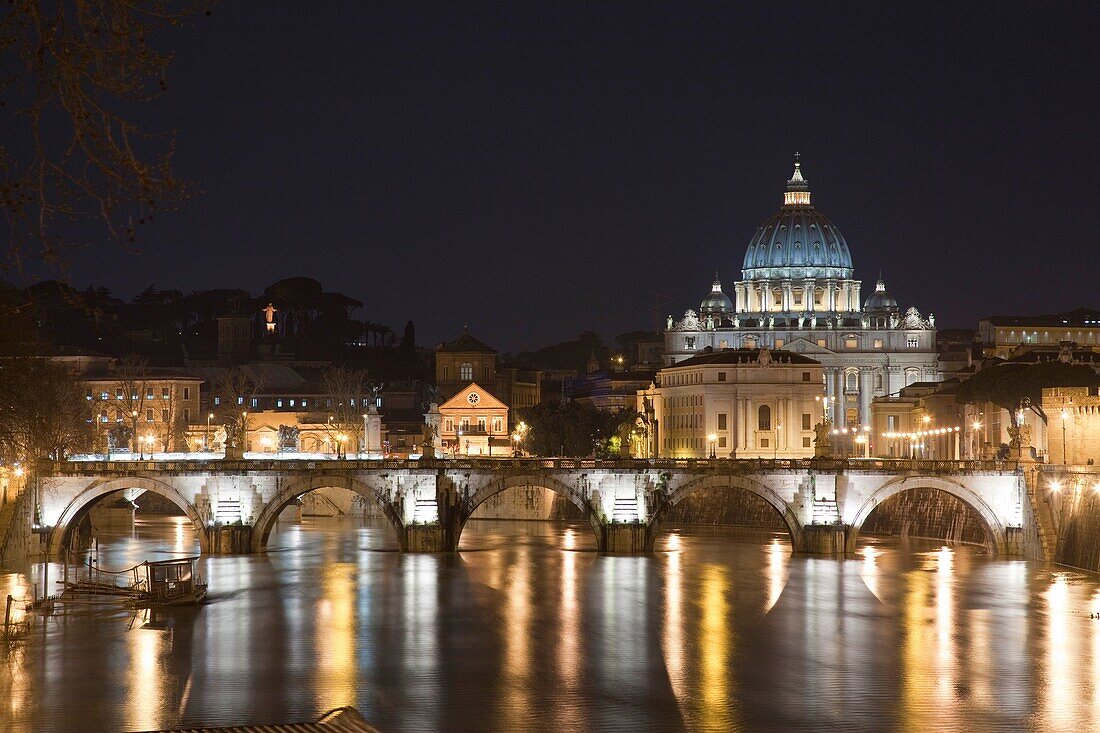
(716, 303)
(880, 300)
(797, 241)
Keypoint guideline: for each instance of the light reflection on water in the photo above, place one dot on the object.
(528, 628)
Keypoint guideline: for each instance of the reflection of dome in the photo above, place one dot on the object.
(880, 300)
(797, 241)
(716, 303)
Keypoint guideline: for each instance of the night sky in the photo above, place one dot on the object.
(541, 169)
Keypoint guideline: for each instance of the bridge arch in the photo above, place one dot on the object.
(994, 528)
(470, 504)
(81, 503)
(678, 494)
(301, 486)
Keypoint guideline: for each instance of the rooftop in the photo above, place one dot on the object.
(744, 357)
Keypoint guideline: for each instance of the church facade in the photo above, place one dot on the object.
(798, 293)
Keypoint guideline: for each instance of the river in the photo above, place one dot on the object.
(527, 628)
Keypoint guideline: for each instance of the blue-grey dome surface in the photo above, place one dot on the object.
(881, 300)
(716, 303)
(797, 241)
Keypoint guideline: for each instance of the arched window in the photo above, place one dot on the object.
(851, 382)
(878, 381)
(764, 418)
(466, 371)
(910, 376)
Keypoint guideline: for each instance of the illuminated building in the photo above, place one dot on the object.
(733, 403)
(798, 293)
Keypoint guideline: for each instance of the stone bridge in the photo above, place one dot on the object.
(823, 502)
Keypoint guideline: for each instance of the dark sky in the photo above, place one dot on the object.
(538, 169)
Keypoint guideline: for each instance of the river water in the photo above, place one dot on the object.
(529, 629)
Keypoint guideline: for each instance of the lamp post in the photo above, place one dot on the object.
(713, 440)
(244, 431)
(1065, 416)
(206, 437)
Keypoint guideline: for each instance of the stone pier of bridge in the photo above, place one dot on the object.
(234, 504)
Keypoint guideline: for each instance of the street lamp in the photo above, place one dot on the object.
(1065, 416)
(206, 438)
(713, 440)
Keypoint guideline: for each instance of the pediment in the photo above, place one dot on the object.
(461, 400)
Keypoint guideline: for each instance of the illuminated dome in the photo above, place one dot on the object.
(797, 241)
(881, 300)
(716, 303)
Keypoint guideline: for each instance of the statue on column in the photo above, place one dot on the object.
(801, 320)
(668, 323)
(736, 322)
(269, 317)
(813, 322)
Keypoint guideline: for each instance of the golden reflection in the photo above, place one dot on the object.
(181, 544)
(1094, 625)
(673, 637)
(517, 643)
(1061, 693)
(929, 652)
(145, 680)
(570, 539)
(716, 643)
(869, 571)
(776, 571)
(335, 663)
(18, 684)
(569, 645)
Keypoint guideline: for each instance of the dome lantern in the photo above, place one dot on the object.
(716, 303)
(798, 188)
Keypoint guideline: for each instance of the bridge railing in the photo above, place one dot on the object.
(720, 465)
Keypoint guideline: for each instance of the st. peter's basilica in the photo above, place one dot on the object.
(798, 293)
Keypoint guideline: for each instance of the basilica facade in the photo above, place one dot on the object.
(798, 293)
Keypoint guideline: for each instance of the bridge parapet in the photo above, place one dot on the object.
(428, 502)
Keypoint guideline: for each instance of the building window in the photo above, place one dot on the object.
(806, 442)
(164, 415)
(851, 382)
(749, 343)
(292, 403)
(912, 341)
(466, 371)
(851, 417)
(722, 442)
(186, 415)
(449, 425)
(279, 402)
(878, 343)
(149, 393)
(892, 423)
(764, 418)
(217, 400)
(689, 342)
(878, 381)
(481, 425)
(148, 416)
(164, 393)
(910, 377)
(721, 421)
(764, 443)
(488, 372)
(851, 343)
(721, 376)
(256, 402)
(498, 425)
(186, 393)
(723, 344)
(464, 424)
(821, 343)
(446, 372)
(240, 400)
(806, 421)
(118, 393)
(805, 376)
